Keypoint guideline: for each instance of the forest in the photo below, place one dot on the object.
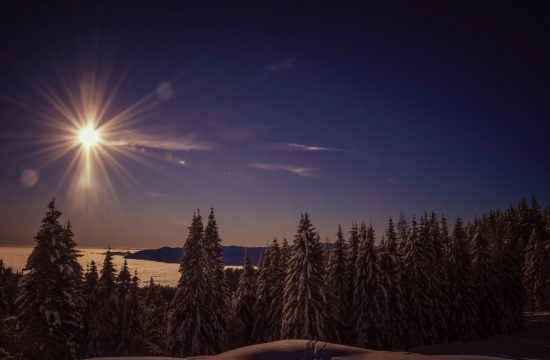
(423, 281)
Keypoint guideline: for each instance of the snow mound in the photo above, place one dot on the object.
(311, 350)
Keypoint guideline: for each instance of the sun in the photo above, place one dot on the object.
(88, 137)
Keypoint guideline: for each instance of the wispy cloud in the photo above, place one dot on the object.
(183, 143)
(391, 181)
(281, 167)
(303, 147)
(284, 65)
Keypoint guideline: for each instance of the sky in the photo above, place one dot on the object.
(347, 110)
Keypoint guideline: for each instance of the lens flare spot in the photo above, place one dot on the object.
(29, 177)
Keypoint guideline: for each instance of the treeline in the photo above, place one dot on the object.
(424, 281)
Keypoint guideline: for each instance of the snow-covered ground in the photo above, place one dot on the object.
(532, 342)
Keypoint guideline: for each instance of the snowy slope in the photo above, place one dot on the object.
(306, 350)
(531, 342)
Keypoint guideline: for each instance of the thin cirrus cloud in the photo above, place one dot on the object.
(183, 143)
(282, 167)
(303, 147)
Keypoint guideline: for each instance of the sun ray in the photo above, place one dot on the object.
(83, 120)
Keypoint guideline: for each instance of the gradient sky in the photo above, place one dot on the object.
(346, 111)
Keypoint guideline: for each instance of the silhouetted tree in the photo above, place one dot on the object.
(216, 283)
(370, 298)
(337, 288)
(534, 272)
(245, 299)
(48, 315)
(193, 324)
(391, 280)
(462, 315)
(304, 315)
(103, 333)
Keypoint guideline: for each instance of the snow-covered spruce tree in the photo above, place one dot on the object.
(390, 268)
(523, 222)
(352, 247)
(402, 230)
(485, 285)
(124, 280)
(534, 278)
(462, 316)
(155, 316)
(276, 291)
(431, 232)
(337, 288)
(104, 316)
(270, 282)
(304, 304)
(285, 254)
(91, 281)
(245, 298)
(370, 298)
(133, 340)
(216, 283)
(417, 287)
(262, 330)
(49, 318)
(193, 325)
(511, 290)
(7, 325)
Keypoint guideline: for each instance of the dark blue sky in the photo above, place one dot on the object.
(349, 111)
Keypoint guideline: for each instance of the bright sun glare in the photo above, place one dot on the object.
(88, 136)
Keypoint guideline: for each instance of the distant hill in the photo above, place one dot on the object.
(232, 255)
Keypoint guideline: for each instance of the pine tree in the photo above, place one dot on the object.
(245, 299)
(262, 331)
(155, 317)
(270, 284)
(390, 268)
(124, 279)
(104, 317)
(49, 317)
(91, 282)
(370, 297)
(431, 232)
(91, 279)
(304, 303)
(462, 315)
(4, 302)
(417, 280)
(193, 325)
(485, 286)
(534, 277)
(285, 254)
(352, 251)
(511, 291)
(337, 289)
(276, 288)
(216, 282)
(133, 339)
(402, 230)
(7, 325)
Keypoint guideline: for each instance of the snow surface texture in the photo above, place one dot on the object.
(532, 342)
(308, 350)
